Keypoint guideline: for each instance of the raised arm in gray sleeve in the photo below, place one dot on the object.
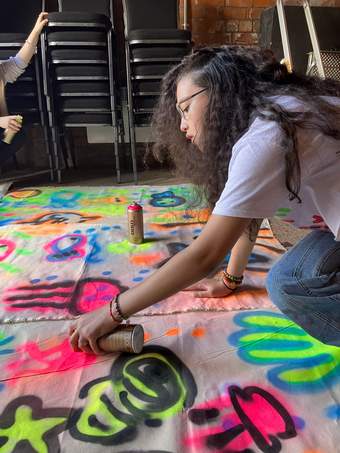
(11, 69)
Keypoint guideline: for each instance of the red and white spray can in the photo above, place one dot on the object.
(135, 223)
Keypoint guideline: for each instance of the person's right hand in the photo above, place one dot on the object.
(86, 330)
(40, 23)
(10, 122)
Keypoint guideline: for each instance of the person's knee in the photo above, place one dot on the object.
(275, 284)
(272, 280)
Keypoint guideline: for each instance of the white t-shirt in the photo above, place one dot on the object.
(256, 184)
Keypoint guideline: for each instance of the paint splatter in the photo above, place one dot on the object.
(298, 362)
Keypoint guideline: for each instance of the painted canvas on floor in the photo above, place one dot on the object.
(215, 375)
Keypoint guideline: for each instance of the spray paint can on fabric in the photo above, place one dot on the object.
(125, 338)
(135, 223)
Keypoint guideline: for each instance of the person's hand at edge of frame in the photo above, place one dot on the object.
(10, 123)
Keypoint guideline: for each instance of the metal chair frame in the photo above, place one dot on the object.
(48, 91)
(131, 94)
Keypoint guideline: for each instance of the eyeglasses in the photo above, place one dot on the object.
(184, 113)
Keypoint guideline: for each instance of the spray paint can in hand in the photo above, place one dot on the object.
(125, 338)
(135, 223)
(9, 134)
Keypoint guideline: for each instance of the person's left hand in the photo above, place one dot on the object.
(87, 329)
(209, 287)
(40, 23)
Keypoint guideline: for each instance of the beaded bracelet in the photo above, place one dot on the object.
(229, 284)
(115, 310)
(233, 278)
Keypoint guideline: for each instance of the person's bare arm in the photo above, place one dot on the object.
(28, 49)
(243, 248)
(193, 263)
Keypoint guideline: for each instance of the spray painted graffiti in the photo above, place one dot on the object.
(125, 246)
(25, 193)
(26, 426)
(173, 249)
(94, 255)
(239, 418)
(54, 355)
(6, 248)
(64, 217)
(333, 412)
(71, 297)
(65, 199)
(51, 218)
(141, 390)
(299, 363)
(164, 220)
(166, 199)
(4, 341)
(144, 451)
(66, 248)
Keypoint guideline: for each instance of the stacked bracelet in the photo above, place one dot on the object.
(115, 310)
(233, 278)
(231, 281)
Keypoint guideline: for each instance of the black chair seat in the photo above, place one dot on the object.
(86, 118)
(152, 52)
(142, 119)
(151, 69)
(159, 34)
(6, 53)
(78, 18)
(149, 86)
(22, 104)
(79, 54)
(81, 71)
(84, 104)
(21, 89)
(147, 102)
(83, 87)
(77, 36)
(8, 38)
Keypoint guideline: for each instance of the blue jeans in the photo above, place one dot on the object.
(305, 286)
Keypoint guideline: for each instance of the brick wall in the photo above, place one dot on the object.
(231, 21)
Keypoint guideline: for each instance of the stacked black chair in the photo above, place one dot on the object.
(153, 43)
(25, 97)
(79, 72)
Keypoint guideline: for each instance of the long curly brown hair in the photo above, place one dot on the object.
(240, 84)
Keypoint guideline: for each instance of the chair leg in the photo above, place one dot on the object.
(68, 152)
(130, 113)
(116, 152)
(47, 144)
(133, 152)
(71, 147)
(55, 139)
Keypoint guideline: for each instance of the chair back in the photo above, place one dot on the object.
(89, 6)
(150, 14)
